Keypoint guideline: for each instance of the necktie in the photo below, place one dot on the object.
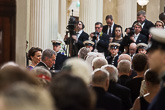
(110, 32)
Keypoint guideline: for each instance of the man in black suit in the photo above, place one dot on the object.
(105, 100)
(138, 37)
(146, 24)
(79, 38)
(48, 59)
(109, 29)
(100, 39)
(60, 58)
(116, 89)
(124, 68)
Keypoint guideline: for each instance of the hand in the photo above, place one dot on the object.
(74, 37)
(132, 38)
(127, 30)
(91, 35)
(66, 37)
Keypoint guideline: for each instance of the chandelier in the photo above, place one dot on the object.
(142, 2)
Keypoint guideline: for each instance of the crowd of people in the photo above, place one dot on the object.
(110, 70)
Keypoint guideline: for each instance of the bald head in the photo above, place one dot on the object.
(124, 57)
(132, 48)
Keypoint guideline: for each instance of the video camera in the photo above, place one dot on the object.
(95, 35)
(131, 32)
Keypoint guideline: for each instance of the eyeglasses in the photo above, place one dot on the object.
(97, 27)
(158, 25)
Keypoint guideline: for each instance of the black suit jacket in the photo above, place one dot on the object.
(123, 79)
(146, 27)
(122, 92)
(141, 39)
(106, 100)
(60, 59)
(102, 44)
(41, 64)
(83, 37)
(76, 46)
(105, 29)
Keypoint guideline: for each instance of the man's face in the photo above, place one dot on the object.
(132, 50)
(156, 58)
(114, 51)
(51, 61)
(79, 26)
(141, 18)
(98, 28)
(118, 32)
(109, 22)
(142, 51)
(56, 48)
(137, 29)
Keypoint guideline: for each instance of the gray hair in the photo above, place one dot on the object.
(79, 68)
(113, 72)
(99, 76)
(22, 96)
(98, 62)
(9, 64)
(82, 53)
(125, 57)
(124, 66)
(48, 53)
(141, 12)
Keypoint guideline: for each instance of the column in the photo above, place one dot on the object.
(62, 18)
(90, 12)
(152, 14)
(43, 23)
(22, 16)
(127, 12)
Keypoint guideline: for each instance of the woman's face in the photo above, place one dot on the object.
(37, 57)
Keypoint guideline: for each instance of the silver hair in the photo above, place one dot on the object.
(141, 12)
(124, 66)
(98, 62)
(113, 72)
(99, 76)
(48, 53)
(82, 53)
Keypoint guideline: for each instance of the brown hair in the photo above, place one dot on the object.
(32, 52)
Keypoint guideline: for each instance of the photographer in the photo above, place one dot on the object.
(78, 36)
(100, 39)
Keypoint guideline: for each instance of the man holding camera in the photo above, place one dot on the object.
(78, 38)
(138, 37)
(101, 39)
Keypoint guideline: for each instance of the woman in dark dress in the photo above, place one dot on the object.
(152, 83)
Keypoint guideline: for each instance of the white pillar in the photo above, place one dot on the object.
(127, 12)
(90, 12)
(99, 11)
(43, 22)
(152, 14)
(62, 18)
(22, 16)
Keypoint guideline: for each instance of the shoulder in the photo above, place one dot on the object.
(84, 33)
(136, 105)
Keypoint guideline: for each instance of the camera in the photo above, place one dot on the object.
(95, 35)
(71, 23)
(131, 32)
